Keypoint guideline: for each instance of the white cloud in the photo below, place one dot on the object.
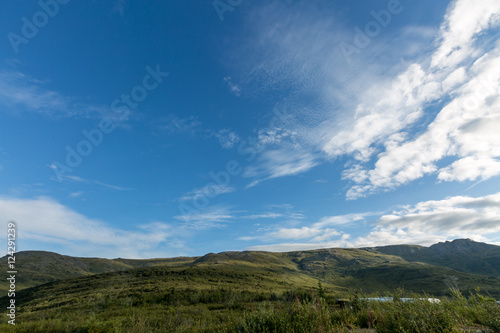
(263, 216)
(343, 219)
(295, 233)
(473, 88)
(470, 168)
(286, 247)
(279, 163)
(227, 138)
(209, 191)
(425, 223)
(382, 112)
(77, 179)
(234, 88)
(172, 124)
(21, 92)
(432, 221)
(45, 220)
(274, 136)
(465, 128)
(386, 111)
(464, 21)
(315, 233)
(209, 218)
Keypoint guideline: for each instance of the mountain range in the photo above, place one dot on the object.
(462, 264)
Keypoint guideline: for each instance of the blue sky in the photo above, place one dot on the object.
(169, 128)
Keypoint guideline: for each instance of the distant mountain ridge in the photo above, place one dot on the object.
(463, 255)
(39, 267)
(422, 269)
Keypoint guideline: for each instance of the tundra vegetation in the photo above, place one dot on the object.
(260, 292)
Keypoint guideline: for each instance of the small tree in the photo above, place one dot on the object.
(321, 291)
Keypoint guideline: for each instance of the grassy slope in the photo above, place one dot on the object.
(461, 254)
(216, 286)
(380, 269)
(39, 267)
(339, 270)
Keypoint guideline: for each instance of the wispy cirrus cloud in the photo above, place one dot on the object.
(338, 220)
(208, 191)
(280, 163)
(172, 124)
(23, 93)
(393, 120)
(208, 218)
(263, 216)
(340, 242)
(219, 216)
(77, 179)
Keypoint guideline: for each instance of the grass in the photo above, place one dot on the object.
(369, 269)
(221, 310)
(250, 292)
(215, 299)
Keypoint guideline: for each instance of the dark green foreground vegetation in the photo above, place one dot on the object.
(215, 299)
(222, 310)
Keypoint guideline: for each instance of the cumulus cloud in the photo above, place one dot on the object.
(430, 221)
(394, 124)
(321, 234)
(463, 128)
(425, 223)
(460, 69)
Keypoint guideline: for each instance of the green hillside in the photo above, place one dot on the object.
(461, 254)
(219, 290)
(462, 263)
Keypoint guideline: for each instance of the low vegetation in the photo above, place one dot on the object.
(217, 299)
(225, 310)
(257, 292)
